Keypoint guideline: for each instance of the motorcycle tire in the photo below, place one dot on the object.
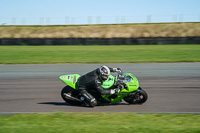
(139, 97)
(70, 91)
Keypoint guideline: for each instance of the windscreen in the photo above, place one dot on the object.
(123, 77)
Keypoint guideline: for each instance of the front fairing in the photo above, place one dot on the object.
(131, 84)
(128, 79)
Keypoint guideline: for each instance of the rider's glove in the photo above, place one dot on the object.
(113, 91)
(117, 70)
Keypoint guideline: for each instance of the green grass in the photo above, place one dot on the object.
(99, 54)
(100, 123)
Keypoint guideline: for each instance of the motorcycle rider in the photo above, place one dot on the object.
(92, 81)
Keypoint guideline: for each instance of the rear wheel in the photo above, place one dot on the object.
(139, 97)
(69, 95)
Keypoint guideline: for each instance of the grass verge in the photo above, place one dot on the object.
(99, 54)
(100, 123)
(102, 31)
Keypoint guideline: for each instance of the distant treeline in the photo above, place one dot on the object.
(102, 31)
(117, 34)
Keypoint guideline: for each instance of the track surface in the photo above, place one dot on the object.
(172, 88)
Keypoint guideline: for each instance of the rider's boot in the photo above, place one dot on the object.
(89, 99)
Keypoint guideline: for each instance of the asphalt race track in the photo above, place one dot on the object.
(171, 87)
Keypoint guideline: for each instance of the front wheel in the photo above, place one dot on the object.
(138, 97)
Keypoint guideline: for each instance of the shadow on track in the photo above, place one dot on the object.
(67, 104)
(56, 103)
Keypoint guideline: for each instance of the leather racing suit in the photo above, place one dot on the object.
(92, 82)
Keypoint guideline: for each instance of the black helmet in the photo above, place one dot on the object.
(104, 72)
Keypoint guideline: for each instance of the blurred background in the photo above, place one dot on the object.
(89, 20)
(87, 12)
(99, 19)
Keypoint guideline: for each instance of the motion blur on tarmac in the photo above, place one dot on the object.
(172, 88)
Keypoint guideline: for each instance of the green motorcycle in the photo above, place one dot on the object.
(130, 91)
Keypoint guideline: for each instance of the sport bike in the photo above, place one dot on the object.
(130, 90)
